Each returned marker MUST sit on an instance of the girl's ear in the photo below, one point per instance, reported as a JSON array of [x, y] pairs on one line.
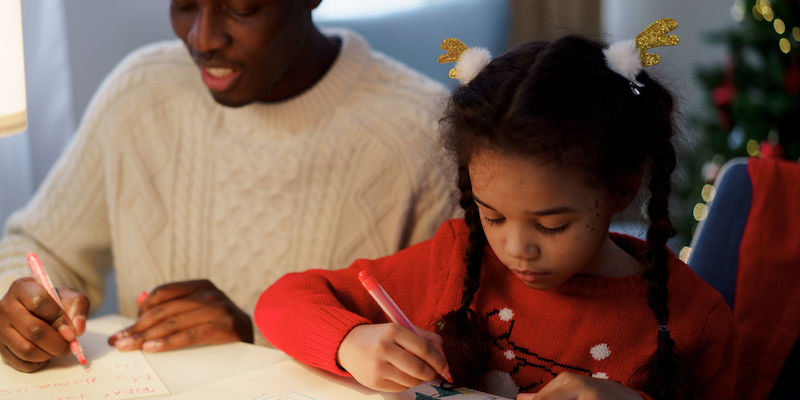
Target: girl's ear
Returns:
[[628, 188]]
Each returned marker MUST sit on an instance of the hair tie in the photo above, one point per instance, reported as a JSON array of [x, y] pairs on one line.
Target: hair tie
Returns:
[[629, 57], [469, 60], [663, 328]]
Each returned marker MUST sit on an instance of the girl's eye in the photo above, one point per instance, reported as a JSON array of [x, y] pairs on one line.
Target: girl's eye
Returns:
[[551, 231], [493, 221]]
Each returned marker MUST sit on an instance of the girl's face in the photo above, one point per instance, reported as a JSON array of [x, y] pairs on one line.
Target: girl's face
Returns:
[[542, 220]]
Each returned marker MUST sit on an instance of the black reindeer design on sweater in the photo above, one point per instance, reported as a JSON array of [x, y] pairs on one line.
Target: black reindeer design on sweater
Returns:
[[520, 357]]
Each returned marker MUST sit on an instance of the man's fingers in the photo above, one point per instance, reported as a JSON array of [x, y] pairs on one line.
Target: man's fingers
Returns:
[[172, 291], [181, 329], [21, 365], [126, 343], [204, 333], [35, 340], [77, 306], [166, 317], [41, 305], [23, 348], [38, 302], [182, 321]]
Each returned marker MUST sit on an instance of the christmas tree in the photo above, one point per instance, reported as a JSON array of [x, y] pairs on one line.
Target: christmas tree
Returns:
[[753, 100]]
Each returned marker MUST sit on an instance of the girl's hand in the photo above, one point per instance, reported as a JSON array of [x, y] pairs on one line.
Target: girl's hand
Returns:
[[569, 386], [390, 358]]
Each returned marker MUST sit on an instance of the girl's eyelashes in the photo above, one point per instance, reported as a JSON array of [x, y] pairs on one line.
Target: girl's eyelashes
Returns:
[[551, 231], [539, 227], [493, 221]]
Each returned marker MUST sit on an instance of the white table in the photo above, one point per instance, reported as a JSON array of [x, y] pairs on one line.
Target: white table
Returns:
[[186, 369], [214, 369]]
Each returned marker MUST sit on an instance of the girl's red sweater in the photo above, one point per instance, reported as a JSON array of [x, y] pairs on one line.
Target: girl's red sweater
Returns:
[[595, 326]]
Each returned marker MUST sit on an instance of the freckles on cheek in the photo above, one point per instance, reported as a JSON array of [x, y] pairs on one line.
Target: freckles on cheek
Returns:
[[591, 224]]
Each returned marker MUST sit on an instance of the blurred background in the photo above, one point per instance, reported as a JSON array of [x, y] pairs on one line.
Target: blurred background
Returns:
[[735, 73]]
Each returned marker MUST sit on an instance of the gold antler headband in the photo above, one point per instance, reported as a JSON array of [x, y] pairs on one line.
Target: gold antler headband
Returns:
[[629, 57], [655, 36], [469, 61]]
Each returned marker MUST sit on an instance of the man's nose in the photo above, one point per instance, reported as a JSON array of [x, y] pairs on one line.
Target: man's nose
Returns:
[[208, 34]]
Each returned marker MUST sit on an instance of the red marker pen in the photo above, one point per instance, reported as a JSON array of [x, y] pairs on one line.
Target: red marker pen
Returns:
[[392, 310], [41, 275]]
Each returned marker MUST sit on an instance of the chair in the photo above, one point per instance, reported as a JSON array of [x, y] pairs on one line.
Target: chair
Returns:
[[748, 248]]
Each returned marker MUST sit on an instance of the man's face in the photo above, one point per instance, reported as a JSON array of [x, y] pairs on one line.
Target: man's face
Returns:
[[244, 48]]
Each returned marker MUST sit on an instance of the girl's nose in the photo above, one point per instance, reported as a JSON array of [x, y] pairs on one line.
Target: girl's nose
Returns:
[[519, 246]]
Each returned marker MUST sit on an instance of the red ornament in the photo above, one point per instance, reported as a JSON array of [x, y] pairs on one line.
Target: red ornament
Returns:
[[791, 77], [724, 118], [723, 94], [770, 150]]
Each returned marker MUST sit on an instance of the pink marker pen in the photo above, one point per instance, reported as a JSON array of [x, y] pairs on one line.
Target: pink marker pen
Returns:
[[41, 275], [391, 309]]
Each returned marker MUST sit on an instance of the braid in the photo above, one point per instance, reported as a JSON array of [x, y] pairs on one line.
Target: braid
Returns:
[[667, 376], [465, 339], [477, 239]]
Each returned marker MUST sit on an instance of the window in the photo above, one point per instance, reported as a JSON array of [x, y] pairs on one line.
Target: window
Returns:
[[338, 9]]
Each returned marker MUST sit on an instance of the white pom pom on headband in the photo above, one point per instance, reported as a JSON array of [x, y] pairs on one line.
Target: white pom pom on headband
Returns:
[[469, 61], [629, 57], [626, 57]]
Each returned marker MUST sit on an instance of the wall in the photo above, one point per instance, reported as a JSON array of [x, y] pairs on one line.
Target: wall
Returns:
[[102, 32]]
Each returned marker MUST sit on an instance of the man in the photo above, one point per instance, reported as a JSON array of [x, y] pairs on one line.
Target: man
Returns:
[[311, 151]]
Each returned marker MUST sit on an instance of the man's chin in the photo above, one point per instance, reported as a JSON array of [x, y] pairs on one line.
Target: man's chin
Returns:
[[229, 101]]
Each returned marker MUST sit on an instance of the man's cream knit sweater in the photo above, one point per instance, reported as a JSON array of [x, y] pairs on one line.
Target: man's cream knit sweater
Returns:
[[163, 184]]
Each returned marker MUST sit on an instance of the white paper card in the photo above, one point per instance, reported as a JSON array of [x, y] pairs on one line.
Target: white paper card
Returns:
[[109, 375], [290, 380]]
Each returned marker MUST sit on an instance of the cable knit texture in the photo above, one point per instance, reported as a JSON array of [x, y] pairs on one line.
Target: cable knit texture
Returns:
[[164, 184], [601, 327]]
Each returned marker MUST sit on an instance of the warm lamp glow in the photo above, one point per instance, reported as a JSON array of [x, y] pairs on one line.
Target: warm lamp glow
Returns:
[[13, 116]]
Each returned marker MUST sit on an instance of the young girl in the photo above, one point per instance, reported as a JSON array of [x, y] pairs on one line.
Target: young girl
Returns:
[[530, 292]]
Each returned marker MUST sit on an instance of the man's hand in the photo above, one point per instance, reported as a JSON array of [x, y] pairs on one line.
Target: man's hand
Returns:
[[34, 329], [181, 314], [390, 358]]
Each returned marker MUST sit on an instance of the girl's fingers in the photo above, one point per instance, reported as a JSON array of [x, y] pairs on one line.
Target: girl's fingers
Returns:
[[427, 361], [394, 378], [391, 386], [436, 341]]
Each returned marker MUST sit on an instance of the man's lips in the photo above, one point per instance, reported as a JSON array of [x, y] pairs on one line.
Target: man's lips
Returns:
[[219, 78]]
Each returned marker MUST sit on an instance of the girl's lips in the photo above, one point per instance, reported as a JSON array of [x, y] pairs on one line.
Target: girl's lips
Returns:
[[527, 276], [219, 78]]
